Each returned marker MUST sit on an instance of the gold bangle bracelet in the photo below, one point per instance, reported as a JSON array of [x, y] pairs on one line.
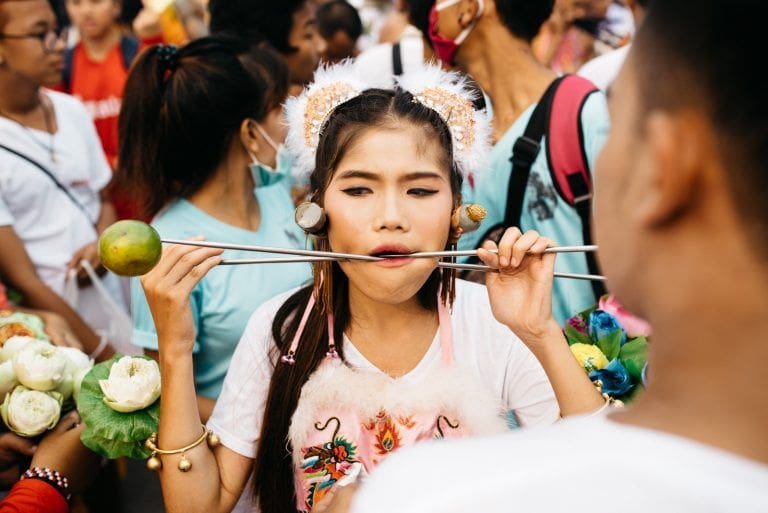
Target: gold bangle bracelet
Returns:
[[154, 463]]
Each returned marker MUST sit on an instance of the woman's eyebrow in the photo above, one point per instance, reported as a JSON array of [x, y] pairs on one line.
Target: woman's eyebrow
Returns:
[[355, 173], [420, 175]]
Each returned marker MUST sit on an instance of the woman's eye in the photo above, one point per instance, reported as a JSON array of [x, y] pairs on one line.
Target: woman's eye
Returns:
[[421, 192], [356, 191]]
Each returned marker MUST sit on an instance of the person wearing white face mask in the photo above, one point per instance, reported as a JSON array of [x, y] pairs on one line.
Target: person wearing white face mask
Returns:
[[214, 170]]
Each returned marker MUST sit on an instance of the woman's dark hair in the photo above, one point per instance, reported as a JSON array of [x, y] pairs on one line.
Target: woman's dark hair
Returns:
[[182, 108], [375, 108]]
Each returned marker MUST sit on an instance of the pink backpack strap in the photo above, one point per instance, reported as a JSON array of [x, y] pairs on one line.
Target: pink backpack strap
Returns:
[[565, 139]]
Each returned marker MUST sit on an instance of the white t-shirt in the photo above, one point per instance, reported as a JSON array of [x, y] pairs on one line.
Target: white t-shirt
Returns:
[[377, 60], [482, 346], [46, 220], [584, 465], [51, 226], [603, 70]]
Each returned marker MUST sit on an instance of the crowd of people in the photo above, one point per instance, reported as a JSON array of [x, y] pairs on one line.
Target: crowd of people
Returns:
[[373, 128]]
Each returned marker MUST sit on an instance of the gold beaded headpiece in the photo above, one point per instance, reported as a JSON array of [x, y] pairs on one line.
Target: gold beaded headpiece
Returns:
[[447, 93]]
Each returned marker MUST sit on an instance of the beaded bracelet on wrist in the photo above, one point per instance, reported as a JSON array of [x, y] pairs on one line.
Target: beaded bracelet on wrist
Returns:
[[52, 477]]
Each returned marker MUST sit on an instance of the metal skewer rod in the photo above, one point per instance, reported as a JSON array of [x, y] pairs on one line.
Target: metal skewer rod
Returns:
[[300, 259], [268, 249], [447, 265], [473, 252], [485, 268], [351, 256]]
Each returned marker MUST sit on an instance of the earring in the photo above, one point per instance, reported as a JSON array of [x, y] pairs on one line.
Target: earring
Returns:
[[467, 218], [310, 217]]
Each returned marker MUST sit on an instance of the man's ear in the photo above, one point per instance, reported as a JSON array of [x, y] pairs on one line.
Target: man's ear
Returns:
[[679, 150], [248, 136]]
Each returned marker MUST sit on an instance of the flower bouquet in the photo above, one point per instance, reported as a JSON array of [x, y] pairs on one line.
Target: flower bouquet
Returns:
[[37, 379], [119, 404], [611, 345]]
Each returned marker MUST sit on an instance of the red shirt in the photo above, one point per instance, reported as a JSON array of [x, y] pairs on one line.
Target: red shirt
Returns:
[[4, 305], [33, 496], [99, 85]]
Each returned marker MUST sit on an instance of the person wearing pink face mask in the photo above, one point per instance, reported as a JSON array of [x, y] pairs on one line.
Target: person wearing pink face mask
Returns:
[[491, 41]]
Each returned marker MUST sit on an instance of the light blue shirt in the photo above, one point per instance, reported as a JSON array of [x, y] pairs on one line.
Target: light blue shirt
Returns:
[[544, 210], [226, 297]]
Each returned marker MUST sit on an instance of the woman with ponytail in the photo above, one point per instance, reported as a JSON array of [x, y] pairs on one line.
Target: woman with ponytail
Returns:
[[329, 379], [196, 125]]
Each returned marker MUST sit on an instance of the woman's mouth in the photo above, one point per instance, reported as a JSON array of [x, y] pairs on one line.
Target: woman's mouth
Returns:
[[391, 255]]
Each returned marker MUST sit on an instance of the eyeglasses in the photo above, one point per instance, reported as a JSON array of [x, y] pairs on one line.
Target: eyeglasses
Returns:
[[48, 38]]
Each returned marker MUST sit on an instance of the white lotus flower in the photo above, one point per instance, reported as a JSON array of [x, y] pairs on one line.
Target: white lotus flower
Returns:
[[8, 379], [133, 384], [31, 412], [77, 362], [40, 366], [77, 381], [13, 345]]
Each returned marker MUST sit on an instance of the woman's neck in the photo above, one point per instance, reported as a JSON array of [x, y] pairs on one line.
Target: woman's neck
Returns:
[[228, 195], [494, 49], [99, 47], [394, 337]]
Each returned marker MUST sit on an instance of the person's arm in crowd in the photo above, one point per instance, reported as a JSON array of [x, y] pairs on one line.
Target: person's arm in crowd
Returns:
[[90, 251], [59, 450], [56, 327], [204, 404], [18, 271], [219, 474], [521, 298], [13, 449]]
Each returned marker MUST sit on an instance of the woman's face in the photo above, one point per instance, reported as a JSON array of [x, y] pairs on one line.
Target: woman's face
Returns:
[[390, 193]]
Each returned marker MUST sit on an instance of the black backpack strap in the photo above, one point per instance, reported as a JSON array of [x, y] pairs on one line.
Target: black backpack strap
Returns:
[[53, 178], [397, 59], [583, 207], [129, 49], [66, 74], [524, 153]]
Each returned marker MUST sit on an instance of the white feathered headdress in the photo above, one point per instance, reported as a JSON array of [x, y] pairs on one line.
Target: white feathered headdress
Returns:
[[447, 93]]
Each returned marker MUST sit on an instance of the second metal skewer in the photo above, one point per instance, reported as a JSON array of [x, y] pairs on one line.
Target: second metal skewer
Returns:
[[447, 265], [352, 256]]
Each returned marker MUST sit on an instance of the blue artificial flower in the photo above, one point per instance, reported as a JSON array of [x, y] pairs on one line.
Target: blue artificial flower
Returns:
[[602, 324], [616, 380]]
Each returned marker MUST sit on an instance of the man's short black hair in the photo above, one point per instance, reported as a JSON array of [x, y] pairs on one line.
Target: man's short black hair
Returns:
[[256, 20], [704, 56], [524, 18], [339, 15]]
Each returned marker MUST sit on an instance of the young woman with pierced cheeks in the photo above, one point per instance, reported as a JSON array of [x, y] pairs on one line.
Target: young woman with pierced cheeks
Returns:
[[329, 379]]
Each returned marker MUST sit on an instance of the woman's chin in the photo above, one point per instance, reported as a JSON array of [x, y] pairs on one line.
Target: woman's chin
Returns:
[[391, 285]]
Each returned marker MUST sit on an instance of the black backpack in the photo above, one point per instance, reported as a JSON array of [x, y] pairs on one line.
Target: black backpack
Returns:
[[566, 159]]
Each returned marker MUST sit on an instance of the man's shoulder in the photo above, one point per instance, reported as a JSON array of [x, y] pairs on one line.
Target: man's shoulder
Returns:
[[567, 467]]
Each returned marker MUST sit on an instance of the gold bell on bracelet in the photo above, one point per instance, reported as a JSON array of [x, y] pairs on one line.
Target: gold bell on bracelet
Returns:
[[153, 463], [184, 464]]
